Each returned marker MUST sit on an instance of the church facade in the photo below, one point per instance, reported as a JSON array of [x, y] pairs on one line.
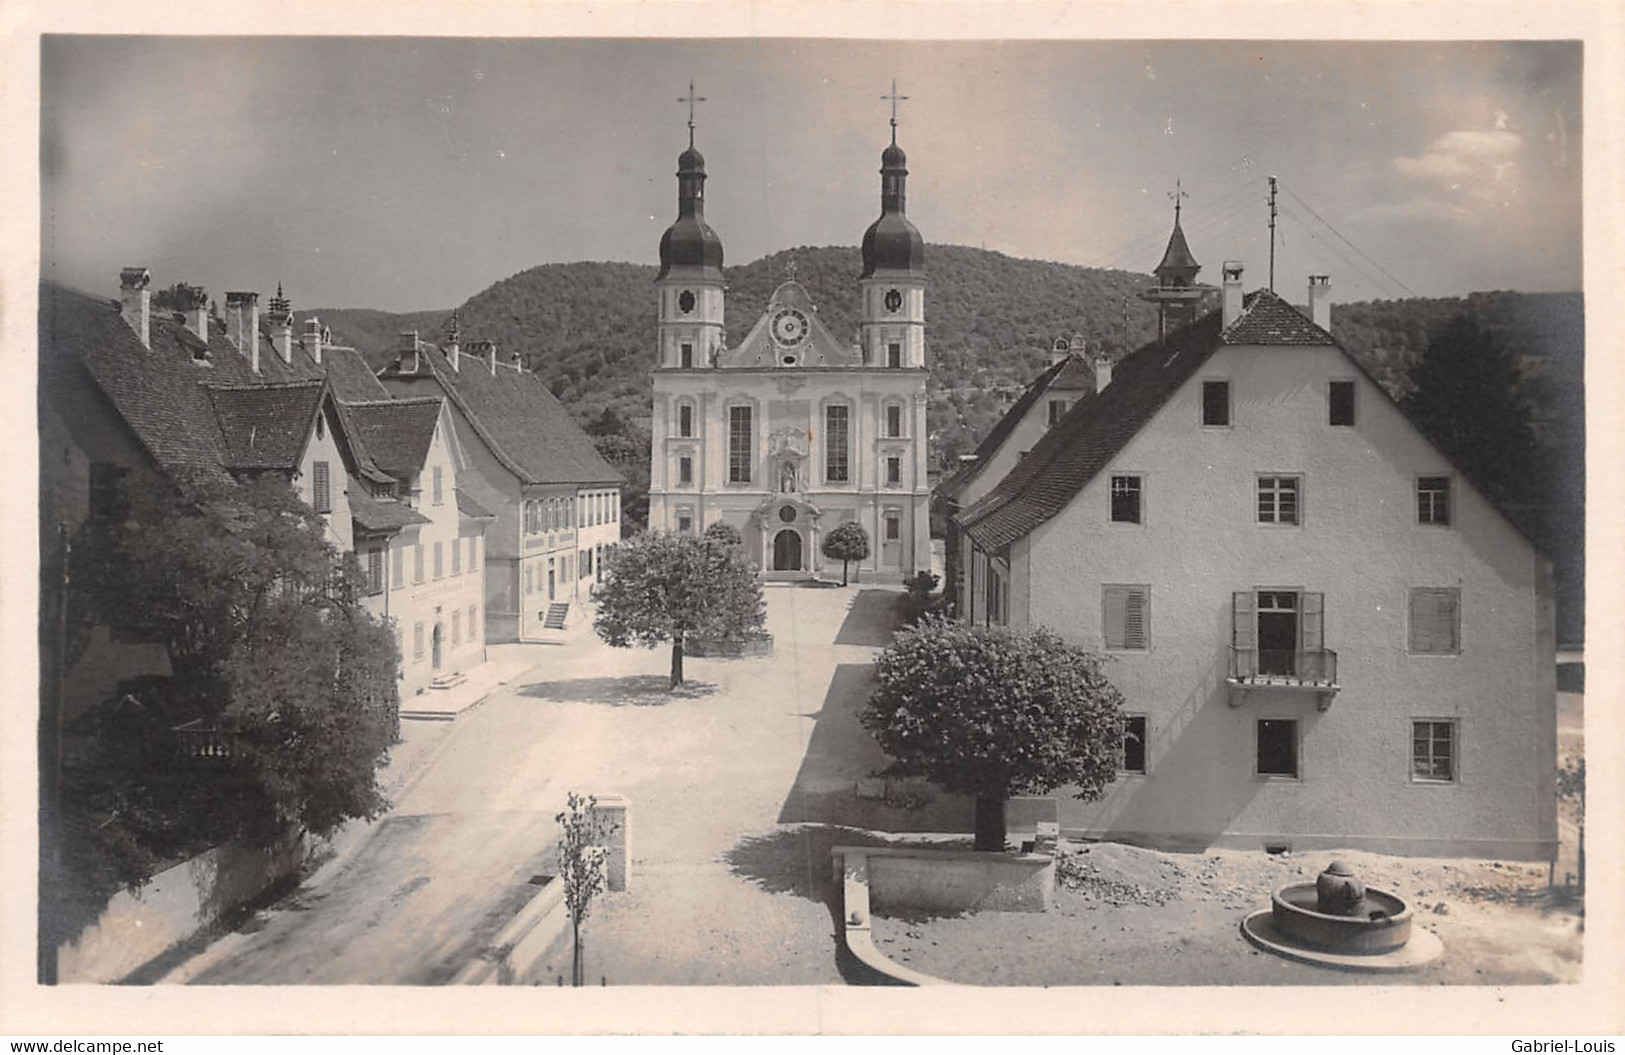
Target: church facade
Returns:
[[793, 432]]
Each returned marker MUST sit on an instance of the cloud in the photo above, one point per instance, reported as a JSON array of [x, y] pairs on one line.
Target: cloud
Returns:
[[1479, 165]]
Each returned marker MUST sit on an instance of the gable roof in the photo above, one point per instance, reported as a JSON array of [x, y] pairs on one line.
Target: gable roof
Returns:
[[352, 379], [523, 424], [397, 432], [265, 426], [382, 515], [819, 348], [470, 508], [1071, 373]]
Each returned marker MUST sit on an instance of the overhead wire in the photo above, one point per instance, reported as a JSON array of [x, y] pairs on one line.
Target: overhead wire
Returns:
[[1385, 285], [1346, 241], [1239, 194]]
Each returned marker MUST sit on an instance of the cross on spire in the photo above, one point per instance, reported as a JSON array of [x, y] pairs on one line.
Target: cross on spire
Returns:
[[895, 99], [1177, 194], [691, 99]]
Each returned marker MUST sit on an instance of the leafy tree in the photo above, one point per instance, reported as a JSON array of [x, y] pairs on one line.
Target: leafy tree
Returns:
[[269, 642], [1571, 787], [1466, 397], [995, 712], [660, 586], [725, 533], [846, 543], [179, 297], [582, 856]]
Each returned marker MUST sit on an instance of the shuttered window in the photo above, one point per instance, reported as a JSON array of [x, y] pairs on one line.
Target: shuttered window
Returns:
[[397, 565], [457, 628], [1127, 617], [457, 557], [1435, 620], [321, 488], [417, 641], [375, 571], [439, 561], [417, 562]]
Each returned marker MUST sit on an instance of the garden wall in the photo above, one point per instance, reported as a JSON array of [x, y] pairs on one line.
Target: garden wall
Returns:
[[953, 881], [138, 926]]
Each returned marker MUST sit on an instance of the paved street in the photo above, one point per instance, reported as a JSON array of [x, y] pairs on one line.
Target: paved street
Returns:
[[738, 784]]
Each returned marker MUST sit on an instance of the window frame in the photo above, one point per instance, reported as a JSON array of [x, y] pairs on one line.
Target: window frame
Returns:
[[894, 355], [321, 486], [1277, 491], [1106, 622], [1296, 776], [1229, 404], [1057, 411], [890, 462], [891, 429], [1353, 389], [375, 571], [685, 470], [1454, 592], [685, 355], [685, 419], [837, 453], [1139, 499], [1454, 757], [1448, 491]]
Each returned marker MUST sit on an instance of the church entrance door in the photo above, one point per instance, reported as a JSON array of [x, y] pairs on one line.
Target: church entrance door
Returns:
[[787, 551]]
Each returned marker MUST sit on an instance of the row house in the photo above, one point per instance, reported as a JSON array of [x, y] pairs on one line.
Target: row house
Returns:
[[553, 501], [1325, 634]]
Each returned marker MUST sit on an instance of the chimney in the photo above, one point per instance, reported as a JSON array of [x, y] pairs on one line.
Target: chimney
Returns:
[[518, 362], [281, 318], [243, 325], [454, 344], [313, 339], [1320, 301], [1232, 293], [135, 302], [197, 313], [406, 354], [1060, 351], [485, 352], [1103, 370]]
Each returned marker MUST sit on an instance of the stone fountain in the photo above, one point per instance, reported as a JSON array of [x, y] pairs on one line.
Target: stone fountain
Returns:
[[1336, 921]]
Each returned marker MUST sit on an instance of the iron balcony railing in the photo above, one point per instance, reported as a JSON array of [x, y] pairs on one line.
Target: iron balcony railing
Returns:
[[1307, 667]]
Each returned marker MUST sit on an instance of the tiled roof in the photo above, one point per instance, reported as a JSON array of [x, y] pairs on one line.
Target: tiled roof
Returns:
[[1270, 320], [1085, 441], [397, 432], [265, 426], [1177, 257], [1070, 374], [352, 379], [470, 508], [382, 514], [153, 389], [525, 426]]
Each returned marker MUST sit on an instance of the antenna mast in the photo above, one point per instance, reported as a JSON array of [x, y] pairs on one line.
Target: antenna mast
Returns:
[[1272, 234]]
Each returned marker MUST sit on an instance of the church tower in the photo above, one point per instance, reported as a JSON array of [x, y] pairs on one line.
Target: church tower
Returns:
[[1177, 294], [893, 279], [690, 280]]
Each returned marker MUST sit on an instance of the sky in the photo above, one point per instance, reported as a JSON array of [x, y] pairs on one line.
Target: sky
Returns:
[[411, 173]]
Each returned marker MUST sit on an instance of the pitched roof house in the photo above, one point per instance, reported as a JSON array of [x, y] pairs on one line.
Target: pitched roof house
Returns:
[[1325, 634], [555, 501]]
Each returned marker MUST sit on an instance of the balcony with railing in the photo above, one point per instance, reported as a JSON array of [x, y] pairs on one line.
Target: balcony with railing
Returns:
[[1290, 670]]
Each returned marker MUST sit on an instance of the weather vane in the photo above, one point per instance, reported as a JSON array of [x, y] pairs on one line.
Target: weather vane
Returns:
[[1176, 195]]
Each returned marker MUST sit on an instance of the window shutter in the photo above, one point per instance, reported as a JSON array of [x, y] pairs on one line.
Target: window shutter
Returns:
[[1135, 603], [1445, 628], [321, 488], [1116, 616], [1243, 628], [1313, 619]]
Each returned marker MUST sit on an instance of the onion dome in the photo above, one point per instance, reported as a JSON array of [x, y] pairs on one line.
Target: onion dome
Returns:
[[892, 243], [690, 242]]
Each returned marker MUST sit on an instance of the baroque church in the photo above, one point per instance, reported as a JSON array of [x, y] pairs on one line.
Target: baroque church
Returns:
[[793, 432]]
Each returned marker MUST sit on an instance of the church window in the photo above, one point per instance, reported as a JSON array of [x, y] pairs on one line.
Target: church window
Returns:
[[837, 457], [685, 421], [894, 354], [739, 445], [894, 471], [685, 301], [685, 470], [686, 355], [1125, 500], [894, 420], [1126, 617]]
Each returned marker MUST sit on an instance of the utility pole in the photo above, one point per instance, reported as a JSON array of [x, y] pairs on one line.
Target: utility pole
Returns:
[[1272, 234]]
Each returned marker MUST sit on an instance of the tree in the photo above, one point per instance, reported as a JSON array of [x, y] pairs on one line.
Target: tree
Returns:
[[179, 297], [995, 712], [1571, 787], [1467, 399], [582, 854], [725, 533], [269, 642], [847, 542], [661, 586]]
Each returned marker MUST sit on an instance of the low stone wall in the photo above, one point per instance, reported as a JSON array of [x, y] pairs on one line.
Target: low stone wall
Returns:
[[954, 880], [534, 937], [138, 926], [724, 648]]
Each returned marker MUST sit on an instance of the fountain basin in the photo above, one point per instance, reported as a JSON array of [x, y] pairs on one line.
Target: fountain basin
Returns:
[[1381, 923]]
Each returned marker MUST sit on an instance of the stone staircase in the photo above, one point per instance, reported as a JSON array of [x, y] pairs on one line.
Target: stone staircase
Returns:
[[448, 681], [557, 617]]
